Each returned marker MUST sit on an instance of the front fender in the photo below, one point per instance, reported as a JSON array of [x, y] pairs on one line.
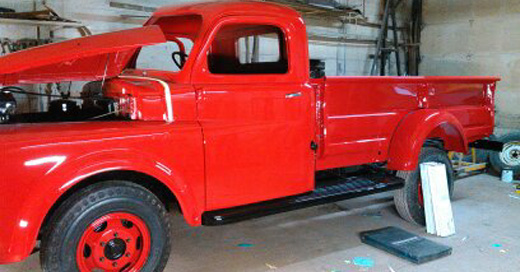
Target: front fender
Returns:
[[413, 131], [169, 173], [179, 166]]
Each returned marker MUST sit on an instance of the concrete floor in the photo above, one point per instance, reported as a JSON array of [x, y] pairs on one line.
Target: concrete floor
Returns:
[[325, 238]]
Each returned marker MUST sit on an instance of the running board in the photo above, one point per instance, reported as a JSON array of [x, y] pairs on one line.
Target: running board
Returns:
[[331, 189]]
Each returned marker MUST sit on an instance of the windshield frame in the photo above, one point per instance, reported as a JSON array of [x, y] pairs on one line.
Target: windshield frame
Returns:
[[175, 27]]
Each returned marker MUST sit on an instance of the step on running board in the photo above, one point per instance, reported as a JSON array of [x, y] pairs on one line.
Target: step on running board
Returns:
[[331, 188]]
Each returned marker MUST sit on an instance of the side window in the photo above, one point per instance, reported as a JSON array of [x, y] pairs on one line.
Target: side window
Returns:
[[248, 49]]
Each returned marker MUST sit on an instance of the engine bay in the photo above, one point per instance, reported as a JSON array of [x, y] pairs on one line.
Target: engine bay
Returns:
[[91, 104]]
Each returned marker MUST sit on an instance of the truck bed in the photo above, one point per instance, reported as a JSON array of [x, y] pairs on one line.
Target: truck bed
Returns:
[[359, 115]]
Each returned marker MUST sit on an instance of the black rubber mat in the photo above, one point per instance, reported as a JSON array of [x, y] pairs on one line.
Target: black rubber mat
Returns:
[[405, 245]]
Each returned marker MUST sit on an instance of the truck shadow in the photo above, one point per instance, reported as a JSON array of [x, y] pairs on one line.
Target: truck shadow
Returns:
[[280, 240]]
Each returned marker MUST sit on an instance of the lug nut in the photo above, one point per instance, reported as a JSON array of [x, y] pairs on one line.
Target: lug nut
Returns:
[[127, 255], [128, 240], [114, 264], [101, 259], [103, 244], [116, 234]]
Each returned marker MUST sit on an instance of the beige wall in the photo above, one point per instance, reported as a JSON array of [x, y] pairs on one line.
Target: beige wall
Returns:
[[476, 37]]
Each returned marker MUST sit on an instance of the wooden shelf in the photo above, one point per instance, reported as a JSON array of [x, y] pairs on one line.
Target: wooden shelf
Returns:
[[320, 16], [320, 39], [39, 22]]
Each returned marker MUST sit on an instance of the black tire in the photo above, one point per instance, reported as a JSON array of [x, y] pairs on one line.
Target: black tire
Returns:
[[71, 220], [496, 158], [407, 199]]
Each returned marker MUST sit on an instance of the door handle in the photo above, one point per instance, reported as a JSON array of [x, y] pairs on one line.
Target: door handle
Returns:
[[293, 95]]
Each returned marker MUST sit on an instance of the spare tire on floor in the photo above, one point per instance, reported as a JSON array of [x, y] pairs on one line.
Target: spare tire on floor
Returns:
[[509, 158]]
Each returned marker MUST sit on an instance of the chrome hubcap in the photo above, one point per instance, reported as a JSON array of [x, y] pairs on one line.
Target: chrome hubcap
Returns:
[[510, 154]]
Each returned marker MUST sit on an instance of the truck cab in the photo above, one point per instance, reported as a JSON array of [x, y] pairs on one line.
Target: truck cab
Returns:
[[256, 107]]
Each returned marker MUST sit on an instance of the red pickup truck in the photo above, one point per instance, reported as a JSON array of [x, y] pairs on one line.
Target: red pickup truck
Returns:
[[236, 129]]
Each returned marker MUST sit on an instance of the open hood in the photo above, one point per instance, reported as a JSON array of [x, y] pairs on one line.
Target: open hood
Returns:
[[83, 59]]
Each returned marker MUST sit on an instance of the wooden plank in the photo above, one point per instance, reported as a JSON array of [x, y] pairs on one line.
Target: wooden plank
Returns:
[[437, 203], [127, 6], [38, 22], [427, 200]]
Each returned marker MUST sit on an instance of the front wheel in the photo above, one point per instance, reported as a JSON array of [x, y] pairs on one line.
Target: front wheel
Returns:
[[409, 200], [109, 226]]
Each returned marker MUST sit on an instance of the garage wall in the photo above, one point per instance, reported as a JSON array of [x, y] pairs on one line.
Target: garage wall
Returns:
[[478, 37], [16, 32], [354, 59]]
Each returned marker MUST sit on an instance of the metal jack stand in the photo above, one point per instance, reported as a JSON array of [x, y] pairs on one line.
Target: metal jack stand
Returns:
[[382, 51]]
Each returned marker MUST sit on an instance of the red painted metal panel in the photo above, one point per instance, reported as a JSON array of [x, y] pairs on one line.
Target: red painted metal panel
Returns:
[[361, 115], [360, 118], [257, 142], [87, 58], [420, 125]]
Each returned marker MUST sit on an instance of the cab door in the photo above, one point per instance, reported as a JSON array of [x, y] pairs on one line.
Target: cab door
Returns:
[[256, 115]]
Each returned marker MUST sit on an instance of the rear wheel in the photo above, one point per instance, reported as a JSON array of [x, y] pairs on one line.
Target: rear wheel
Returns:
[[110, 226], [509, 158], [409, 200]]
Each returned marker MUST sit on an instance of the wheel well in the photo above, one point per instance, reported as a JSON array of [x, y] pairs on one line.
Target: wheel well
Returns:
[[154, 185], [448, 136], [434, 142]]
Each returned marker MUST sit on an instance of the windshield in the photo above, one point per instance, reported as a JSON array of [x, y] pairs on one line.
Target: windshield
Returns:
[[181, 33], [170, 56]]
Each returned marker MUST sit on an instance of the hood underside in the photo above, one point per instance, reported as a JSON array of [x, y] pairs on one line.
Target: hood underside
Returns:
[[83, 59]]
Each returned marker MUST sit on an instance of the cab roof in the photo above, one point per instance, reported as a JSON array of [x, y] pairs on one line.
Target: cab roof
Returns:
[[210, 10]]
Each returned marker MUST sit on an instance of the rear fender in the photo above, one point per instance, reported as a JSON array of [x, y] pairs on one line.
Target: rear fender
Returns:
[[416, 128]]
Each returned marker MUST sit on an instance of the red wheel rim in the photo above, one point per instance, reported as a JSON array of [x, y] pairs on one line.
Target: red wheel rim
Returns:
[[420, 193], [114, 242]]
